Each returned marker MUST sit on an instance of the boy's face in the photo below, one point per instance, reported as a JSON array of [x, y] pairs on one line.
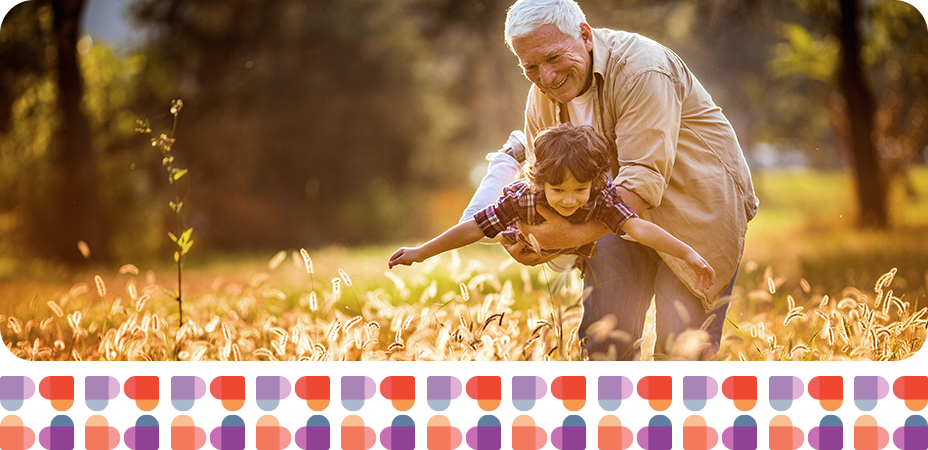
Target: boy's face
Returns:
[[567, 198]]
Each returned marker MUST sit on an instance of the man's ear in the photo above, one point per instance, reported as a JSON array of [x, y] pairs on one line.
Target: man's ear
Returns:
[[586, 33]]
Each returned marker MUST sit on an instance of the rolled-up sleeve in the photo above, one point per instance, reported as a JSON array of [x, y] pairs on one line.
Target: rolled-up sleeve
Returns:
[[646, 134]]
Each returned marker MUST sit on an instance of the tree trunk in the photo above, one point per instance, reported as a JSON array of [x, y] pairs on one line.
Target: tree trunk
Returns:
[[80, 217], [871, 182]]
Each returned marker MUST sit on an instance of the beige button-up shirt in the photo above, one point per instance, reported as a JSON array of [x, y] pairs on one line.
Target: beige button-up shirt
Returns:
[[674, 148]]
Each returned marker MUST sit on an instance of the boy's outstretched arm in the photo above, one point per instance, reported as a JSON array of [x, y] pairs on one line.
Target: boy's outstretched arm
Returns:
[[457, 236], [659, 239]]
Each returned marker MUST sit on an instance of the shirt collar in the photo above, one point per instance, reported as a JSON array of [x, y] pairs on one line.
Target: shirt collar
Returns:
[[600, 55]]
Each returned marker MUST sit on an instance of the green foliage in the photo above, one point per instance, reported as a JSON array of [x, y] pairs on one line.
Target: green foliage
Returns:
[[899, 40], [31, 171], [806, 54], [112, 85]]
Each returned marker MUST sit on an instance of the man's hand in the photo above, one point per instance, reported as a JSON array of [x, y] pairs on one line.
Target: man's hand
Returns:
[[557, 232], [525, 255]]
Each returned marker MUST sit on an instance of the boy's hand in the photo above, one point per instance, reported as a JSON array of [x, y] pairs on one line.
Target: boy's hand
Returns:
[[405, 256], [702, 269]]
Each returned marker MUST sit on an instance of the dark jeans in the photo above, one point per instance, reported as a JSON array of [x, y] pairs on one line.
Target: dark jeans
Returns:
[[624, 276]]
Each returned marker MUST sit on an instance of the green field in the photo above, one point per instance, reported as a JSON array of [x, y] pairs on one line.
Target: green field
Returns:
[[477, 304]]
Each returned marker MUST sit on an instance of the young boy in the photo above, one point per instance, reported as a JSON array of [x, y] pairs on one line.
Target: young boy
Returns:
[[569, 175]]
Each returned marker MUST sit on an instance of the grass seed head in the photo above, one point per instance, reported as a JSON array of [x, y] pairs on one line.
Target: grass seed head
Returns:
[[407, 322], [885, 280], [277, 259], [84, 249], [534, 243], [54, 307], [352, 322], [345, 278], [307, 261], [140, 304], [313, 301], [101, 288]]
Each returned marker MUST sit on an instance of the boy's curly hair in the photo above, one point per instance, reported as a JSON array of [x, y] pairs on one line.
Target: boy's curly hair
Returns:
[[580, 149]]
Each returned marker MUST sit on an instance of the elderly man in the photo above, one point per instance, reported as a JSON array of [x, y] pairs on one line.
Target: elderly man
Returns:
[[677, 162]]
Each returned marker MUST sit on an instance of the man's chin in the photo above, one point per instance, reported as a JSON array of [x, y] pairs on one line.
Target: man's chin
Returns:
[[559, 96]]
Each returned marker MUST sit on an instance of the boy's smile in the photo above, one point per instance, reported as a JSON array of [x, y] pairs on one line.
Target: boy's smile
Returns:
[[567, 198]]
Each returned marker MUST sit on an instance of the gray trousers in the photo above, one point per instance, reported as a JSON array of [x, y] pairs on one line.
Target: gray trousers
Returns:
[[624, 276]]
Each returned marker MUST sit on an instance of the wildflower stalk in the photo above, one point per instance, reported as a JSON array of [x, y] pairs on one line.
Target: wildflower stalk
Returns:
[[182, 240]]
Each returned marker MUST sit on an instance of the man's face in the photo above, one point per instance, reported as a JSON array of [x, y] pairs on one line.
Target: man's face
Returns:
[[560, 65]]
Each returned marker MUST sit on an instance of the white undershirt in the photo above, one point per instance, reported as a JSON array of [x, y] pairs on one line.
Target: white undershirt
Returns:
[[580, 109]]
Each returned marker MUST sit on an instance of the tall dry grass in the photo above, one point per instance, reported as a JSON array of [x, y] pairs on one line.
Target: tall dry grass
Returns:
[[324, 321], [872, 324], [457, 310]]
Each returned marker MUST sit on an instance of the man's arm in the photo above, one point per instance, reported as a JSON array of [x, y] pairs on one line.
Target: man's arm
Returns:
[[646, 137], [558, 232], [632, 199]]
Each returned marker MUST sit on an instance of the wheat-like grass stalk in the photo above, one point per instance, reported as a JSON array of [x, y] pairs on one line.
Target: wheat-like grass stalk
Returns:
[[481, 323]]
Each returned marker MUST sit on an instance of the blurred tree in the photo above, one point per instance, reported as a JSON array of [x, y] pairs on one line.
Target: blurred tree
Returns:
[[882, 134], [899, 46], [479, 78], [330, 121], [43, 86], [861, 107], [794, 99], [77, 198]]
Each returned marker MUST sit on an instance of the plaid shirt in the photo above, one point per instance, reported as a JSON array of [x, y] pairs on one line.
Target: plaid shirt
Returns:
[[518, 204]]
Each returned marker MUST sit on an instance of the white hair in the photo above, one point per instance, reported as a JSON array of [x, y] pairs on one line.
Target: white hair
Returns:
[[524, 16]]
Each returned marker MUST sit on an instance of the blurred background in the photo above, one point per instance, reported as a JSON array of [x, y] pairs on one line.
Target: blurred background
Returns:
[[314, 123]]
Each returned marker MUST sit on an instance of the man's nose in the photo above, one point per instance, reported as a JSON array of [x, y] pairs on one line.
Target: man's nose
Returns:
[[547, 74]]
